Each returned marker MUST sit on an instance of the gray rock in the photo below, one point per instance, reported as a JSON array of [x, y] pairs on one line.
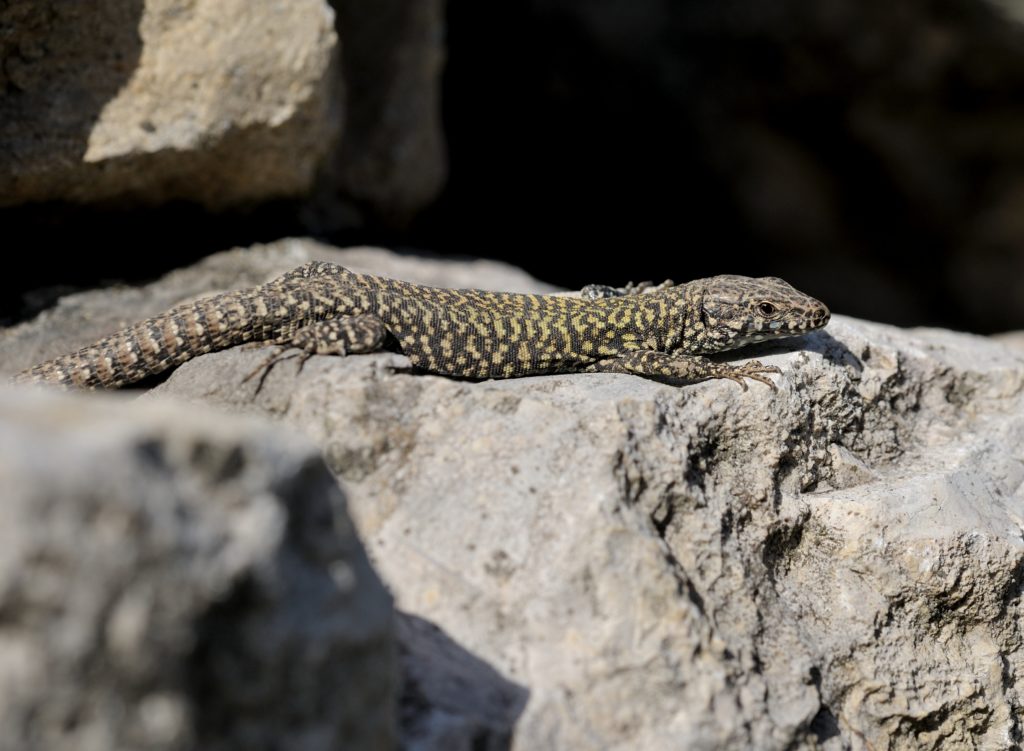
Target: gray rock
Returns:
[[175, 580], [1013, 339], [215, 101], [833, 565], [224, 103]]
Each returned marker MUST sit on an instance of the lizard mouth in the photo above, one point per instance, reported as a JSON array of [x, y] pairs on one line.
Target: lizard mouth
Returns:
[[812, 320]]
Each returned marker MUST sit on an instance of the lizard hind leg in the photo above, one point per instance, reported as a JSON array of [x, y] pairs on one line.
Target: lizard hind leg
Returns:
[[342, 336]]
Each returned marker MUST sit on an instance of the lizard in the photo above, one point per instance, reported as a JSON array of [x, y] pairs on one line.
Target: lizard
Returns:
[[663, 332]]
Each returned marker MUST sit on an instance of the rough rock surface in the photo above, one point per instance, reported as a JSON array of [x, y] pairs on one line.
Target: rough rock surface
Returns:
[[173, 580], [835, 565], [216, 101]]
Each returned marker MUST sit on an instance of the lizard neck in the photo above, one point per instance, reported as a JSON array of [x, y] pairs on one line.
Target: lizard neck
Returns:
[[654, 321], [668, 316]]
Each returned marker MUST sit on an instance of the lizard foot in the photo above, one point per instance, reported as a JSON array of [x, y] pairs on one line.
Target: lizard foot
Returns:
[[282, 354], [753, 370]]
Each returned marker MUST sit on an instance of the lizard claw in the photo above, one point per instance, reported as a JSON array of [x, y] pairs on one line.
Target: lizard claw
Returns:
[[755, 371], [264, 368], [738, 378]]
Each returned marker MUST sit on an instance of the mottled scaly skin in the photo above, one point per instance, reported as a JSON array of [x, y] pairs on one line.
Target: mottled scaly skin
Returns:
[[663, 332]]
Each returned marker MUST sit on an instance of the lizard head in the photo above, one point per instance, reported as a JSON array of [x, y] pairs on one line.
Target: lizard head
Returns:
[[737, 310]]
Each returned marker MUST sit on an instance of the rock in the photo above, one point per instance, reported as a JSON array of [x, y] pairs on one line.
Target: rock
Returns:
[[699, 567], [832, 565], [215, 101], [224, 104], [1013, 339], [171, 579]]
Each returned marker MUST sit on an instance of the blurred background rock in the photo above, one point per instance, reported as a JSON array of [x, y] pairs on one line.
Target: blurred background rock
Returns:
[[871, 153]]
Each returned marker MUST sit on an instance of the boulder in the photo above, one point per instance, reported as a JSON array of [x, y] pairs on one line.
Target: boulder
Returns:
[[172, 579], [224, 104], [219, 102], [833, 564]]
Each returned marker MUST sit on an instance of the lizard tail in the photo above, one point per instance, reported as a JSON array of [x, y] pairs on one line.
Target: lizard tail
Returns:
[[152, 346]]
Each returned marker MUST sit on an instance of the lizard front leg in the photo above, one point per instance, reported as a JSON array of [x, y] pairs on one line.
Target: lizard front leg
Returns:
[[344, 335], [685, 368]]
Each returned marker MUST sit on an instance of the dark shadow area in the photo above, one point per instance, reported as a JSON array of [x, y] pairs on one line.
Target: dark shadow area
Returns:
[[60, 65], [825, 725], [569, 160], [820, 342], [448, 690], [833, 350], [63, 247]]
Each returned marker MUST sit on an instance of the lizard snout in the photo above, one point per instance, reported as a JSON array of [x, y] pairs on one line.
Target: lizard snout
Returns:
[[818, 316]]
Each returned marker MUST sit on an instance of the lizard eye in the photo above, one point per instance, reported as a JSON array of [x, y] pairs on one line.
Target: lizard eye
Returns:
[[766, 309]]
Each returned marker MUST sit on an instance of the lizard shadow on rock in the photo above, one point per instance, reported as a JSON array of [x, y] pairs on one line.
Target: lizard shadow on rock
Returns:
[[822, 343], [832, 350]]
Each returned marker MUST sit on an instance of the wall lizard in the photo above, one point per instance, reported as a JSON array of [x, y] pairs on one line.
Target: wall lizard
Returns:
[[321, 308]]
